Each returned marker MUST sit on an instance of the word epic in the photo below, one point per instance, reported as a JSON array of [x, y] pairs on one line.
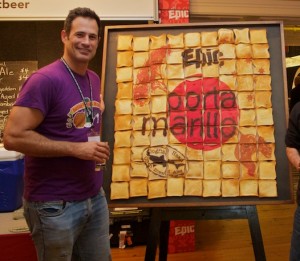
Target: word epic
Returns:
[[184, 230], [200, 57]]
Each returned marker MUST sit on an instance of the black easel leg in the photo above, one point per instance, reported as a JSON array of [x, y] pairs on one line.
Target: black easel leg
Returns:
[[255, 231], [154, 233], [164, 240]]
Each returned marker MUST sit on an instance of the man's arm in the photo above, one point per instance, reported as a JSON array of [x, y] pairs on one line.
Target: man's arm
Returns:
[[20, 135], [294, 157]]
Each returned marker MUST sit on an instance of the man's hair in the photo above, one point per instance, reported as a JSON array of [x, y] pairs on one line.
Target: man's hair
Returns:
[[80, 12]]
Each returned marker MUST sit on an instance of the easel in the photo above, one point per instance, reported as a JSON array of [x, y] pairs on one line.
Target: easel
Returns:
[[160, 221]]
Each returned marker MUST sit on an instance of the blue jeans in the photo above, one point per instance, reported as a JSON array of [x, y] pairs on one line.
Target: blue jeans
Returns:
[[70, 231], [295, 242]]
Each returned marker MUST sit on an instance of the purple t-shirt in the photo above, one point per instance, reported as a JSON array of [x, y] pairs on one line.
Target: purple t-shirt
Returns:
[[53, 91]]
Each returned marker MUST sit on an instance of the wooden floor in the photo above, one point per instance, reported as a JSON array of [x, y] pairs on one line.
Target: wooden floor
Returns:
[[230, 240], [219, 240]]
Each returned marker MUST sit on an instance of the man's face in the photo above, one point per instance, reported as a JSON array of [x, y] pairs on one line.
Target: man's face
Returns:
[[82, 42]]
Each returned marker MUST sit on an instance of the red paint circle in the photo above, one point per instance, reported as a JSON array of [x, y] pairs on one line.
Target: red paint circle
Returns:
[[203, 113]]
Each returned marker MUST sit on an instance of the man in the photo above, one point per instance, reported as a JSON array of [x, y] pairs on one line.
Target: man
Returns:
[[295, 92], [292, 141], [58, 108]]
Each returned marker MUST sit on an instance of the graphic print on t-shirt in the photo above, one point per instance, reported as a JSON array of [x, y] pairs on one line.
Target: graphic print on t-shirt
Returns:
[[78, 118]]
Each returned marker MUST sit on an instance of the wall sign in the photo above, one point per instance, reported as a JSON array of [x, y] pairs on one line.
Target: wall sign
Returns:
[[57, 10], [12, 75]]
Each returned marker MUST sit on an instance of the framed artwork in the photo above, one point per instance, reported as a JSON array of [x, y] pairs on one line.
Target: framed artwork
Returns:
[[195, 115]]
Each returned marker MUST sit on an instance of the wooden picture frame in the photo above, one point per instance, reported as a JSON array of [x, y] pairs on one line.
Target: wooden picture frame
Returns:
[[274, 38]]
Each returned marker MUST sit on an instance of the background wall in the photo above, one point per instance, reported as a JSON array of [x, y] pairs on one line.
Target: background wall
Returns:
[[40, 41], [30, 41]]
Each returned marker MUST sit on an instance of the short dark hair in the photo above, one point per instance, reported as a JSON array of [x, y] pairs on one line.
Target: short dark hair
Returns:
[[80, 12]]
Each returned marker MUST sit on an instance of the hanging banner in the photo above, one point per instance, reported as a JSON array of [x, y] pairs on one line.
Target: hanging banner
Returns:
[[57, 10], [171, 4], [172, 16], [173, 12]]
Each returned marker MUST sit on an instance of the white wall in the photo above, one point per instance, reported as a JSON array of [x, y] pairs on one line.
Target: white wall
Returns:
[[268, 8], [58, 9]]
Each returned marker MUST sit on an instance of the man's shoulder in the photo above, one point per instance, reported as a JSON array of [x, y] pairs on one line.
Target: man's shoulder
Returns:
[[51, 68], [48, 76], [93, 73], [53, 71], [296, 109]]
